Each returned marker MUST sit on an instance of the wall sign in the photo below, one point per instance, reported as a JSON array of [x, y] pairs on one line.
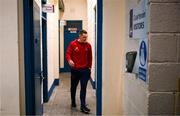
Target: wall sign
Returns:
[[143, 57], [48, 8], [72, 30], [138, 21]]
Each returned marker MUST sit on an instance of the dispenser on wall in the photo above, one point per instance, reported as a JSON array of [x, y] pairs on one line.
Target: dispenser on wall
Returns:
[[130, 60]]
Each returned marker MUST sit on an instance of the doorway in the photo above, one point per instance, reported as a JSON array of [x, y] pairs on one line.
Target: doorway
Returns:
[[33, 62], [71, 32]]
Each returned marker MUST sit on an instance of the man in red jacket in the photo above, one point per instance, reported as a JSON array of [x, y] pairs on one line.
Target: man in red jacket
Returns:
[[79, 58]]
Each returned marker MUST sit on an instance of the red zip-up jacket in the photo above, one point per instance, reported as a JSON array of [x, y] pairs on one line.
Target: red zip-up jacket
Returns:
[[80, 54]]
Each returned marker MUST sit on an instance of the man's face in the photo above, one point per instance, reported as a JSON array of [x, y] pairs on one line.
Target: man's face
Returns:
[[83, 37]]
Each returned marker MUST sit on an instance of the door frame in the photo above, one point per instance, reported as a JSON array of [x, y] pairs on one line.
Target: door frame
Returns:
[[99, 56], [64, 69], [28, 32], [44, 57]]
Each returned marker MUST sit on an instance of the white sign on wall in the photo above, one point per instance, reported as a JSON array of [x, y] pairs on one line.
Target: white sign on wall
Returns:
[[138, 21], [48, 8]]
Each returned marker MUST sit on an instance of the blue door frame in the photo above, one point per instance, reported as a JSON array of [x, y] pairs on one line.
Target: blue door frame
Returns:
[[33, 77], [28, 33], [44, 49], [99, 57]]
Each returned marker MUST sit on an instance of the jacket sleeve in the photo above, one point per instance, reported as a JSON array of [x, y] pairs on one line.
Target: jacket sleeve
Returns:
[[90, 57], [69, 52]]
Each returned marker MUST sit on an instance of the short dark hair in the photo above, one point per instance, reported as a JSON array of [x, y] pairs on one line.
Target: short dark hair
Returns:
[[82, 32]]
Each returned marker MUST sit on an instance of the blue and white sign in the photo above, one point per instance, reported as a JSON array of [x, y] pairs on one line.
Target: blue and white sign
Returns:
[[143, 57]]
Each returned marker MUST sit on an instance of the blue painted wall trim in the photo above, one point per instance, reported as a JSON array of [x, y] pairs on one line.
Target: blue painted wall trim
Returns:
[[99, 56], [63, 70], [55, 83]]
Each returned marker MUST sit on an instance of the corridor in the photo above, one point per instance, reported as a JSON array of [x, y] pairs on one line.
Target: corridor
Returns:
[[135, 56], [60, 102]]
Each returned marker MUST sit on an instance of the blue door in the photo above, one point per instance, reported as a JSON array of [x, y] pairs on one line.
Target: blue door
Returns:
[[71, 32], [37, 71]]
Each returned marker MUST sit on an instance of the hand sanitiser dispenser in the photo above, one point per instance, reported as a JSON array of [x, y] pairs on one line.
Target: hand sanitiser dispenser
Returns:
[[130, 60]]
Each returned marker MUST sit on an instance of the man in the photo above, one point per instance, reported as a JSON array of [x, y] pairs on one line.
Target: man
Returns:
[[79, 58]]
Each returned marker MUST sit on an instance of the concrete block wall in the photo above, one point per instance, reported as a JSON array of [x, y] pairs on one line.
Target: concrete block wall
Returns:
[[164, 57]]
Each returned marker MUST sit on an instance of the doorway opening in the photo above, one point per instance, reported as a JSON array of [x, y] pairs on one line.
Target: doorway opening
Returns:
[[36, 63]]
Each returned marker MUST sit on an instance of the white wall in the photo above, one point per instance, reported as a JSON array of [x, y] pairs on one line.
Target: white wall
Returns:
[[52, 44], [0, 84], [9, 64], [113, 43], [0, 75], [91, 4], [74, 10]]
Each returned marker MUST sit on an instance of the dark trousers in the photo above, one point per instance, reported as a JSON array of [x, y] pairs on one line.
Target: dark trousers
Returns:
[[83, 76]]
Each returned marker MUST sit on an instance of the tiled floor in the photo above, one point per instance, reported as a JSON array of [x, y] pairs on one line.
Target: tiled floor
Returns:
[[60, 102]]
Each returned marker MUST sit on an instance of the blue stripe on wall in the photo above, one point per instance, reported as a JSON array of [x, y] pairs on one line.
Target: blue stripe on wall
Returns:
[[56, 82], [63, 70]]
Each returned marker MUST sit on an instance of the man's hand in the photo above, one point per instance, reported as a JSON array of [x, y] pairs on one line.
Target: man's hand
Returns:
[[71, 63]]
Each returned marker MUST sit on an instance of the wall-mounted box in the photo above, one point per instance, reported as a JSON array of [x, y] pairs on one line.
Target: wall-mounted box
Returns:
[[130, 60]]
